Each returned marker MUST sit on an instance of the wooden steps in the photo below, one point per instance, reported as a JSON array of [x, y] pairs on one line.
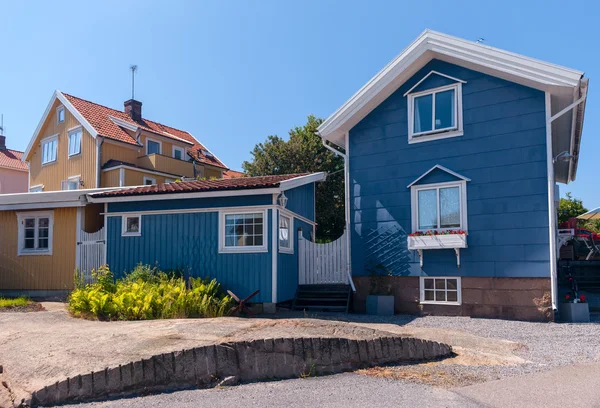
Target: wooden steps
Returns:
[[324, 298]]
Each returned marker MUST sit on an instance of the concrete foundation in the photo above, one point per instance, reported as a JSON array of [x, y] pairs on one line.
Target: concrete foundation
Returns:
[[497, 298]]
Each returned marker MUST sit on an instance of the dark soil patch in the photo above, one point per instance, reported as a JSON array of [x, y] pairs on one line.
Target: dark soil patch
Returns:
[[32, 307]]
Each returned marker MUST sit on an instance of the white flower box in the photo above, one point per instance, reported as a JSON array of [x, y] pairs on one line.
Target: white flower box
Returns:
[[449, 241]]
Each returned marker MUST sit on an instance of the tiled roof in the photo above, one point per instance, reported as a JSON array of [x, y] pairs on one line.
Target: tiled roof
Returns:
[[197, 186], [229, 174], [99, 117], [12, 159]]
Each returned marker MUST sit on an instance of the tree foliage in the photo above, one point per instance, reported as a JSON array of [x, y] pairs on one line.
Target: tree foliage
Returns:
[[303, 152], [570, 207]]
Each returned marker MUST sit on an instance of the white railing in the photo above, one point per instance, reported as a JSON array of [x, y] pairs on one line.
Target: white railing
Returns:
[[91, 252], [323, 263]]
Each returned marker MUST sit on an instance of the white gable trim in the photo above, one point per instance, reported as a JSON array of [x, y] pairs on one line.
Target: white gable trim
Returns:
[[428, 75], [58, 95], [429, 45], [437, 166], [124, 124]]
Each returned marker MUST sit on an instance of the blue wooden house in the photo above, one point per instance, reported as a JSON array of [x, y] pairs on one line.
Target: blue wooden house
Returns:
[[243, 232], [452, 153]]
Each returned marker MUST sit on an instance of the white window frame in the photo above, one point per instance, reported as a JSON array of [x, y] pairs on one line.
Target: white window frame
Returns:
[[60, 109], [124, 232], [38, 188], [243, 249], [45, 140], [21, 216], [180, 149], [73, 131], [436, 134], [160, 149], [414, 192], [72, 179], [283, 249], [436, 302], [148, 178]]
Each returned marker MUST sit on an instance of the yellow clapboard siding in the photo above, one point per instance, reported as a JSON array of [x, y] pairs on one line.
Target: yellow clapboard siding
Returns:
[[111, 178], [136, 178], [167, 164], [39, 272], [210, 172], [119, 151], [84, 164]]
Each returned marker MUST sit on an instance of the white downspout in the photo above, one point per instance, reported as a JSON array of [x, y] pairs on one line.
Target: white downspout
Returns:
[[551, 186], [346, 203]]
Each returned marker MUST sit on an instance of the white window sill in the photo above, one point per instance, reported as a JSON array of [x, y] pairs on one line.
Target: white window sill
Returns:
[[427, 137], [242, 250], [433, 302], [289, 251], [132, 234], [34, 252], [74, 155], [49, 163]]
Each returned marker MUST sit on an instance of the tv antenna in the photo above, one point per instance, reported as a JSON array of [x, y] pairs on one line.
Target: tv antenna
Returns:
[[480, 40], [2, 125], [133, 69]]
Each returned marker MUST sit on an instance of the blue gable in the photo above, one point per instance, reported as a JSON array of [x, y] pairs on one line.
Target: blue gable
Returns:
[[502, 151], [433, 81], [436, 175]]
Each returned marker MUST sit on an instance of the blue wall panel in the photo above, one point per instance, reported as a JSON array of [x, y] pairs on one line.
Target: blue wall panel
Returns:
[[188, 203], [301, 200], [502, 151], [190, 242], [287, 265]]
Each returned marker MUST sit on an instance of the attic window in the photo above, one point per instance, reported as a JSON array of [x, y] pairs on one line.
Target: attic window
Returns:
[[435, 113], [60, 114]]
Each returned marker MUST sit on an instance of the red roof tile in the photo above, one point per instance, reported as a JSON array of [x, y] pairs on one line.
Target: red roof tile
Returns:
[[229, 174], [197, 186], [12, 159], [99, 117]]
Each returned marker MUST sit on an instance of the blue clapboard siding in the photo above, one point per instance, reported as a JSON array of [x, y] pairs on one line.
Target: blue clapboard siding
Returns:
[[287, 265], [188, 241], [301, 200], [190, 203], [502, 151]]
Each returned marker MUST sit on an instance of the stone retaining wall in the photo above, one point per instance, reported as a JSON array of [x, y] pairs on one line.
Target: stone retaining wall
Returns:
[[247, 361]]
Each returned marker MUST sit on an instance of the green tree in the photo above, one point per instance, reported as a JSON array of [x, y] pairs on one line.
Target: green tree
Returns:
[[303, 152], [570, 207]]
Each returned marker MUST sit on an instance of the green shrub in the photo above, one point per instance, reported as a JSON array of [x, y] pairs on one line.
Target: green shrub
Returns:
[[14, 302], [148, 293]]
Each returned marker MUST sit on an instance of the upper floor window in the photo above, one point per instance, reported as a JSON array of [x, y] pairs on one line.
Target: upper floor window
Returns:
[[148, 181], [435, 113], [72, 183], [153, 146], [439, 206], [178, 152], [35, 233], [60, 114], [49, 149], [75, 142]]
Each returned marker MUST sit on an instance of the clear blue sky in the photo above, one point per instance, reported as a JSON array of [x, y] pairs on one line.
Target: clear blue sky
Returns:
[[234, 72]]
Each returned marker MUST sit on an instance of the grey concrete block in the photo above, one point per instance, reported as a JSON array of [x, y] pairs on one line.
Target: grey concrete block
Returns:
[[87, 385], [246, 359], [162, 371], [113, 380], [398, 348], [138, 373], [187, 360], [211, 361], [378, 347], [354, 354], [127, 376], [62, 390], [363, 353], [345, 359], [269, 358], [99, 381], [269, 308], [372, 353], [283, 358]]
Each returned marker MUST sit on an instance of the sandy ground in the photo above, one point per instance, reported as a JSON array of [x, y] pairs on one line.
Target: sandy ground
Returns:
[[40, 348]]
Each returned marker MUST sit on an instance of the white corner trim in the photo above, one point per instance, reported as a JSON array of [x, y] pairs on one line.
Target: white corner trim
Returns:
[[302, 180], [274, 253], [414, 204], [149, 139], [121, 177], [433, 302], [440, 167], [124, 232], [551, 205], [223, 249], [21, 216], [436, 73], [434, 134], [58, 95]]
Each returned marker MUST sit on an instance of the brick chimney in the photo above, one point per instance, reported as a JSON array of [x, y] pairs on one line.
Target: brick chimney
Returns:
[[2, 142], [134, 109]]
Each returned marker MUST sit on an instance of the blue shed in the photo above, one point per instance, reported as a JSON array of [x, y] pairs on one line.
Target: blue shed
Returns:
[[242, 231], [452, 153]]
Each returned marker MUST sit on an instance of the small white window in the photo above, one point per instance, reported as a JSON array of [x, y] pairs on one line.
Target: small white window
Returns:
[[441, 290], [74, 142], [435, 113], [439, 207], [35, 233], [178, 153], [148, 181], [49, 149], [243, 232], [72, 183], [153, 146], [60, 114], [36, 189], [131, 225], [286, 235]]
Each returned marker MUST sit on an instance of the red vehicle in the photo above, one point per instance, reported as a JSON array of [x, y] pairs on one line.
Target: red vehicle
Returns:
[[583, 233]]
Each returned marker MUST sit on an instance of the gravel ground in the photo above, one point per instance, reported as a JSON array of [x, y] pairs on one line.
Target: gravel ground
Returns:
[[544, 346]]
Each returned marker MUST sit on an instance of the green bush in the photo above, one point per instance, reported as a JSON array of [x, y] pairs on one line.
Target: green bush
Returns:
[[148, 293]]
